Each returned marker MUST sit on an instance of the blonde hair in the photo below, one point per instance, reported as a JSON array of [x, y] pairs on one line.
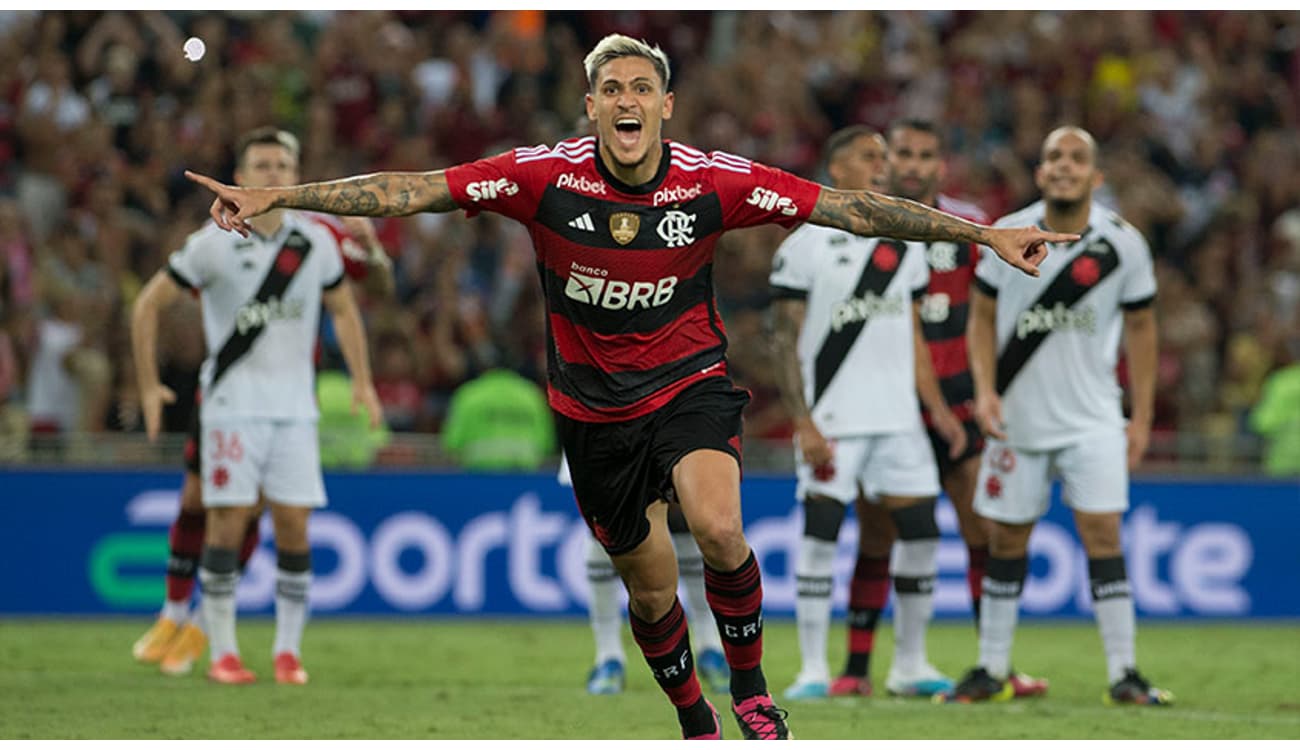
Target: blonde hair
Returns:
[[615, 46]]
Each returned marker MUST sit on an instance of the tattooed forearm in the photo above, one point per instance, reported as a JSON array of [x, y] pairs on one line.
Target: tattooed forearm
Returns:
[[382, 194], [788, 315], [875, 215]]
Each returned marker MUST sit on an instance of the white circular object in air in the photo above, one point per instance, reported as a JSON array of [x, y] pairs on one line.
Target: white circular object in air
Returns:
[[194, 49]]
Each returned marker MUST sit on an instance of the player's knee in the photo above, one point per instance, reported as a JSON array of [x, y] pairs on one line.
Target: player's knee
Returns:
[[720, 536], [650, 603], [1100, 534], [822, 517], [974, 528], [916, 522], [225, 527], [192, 494], [1009, 541]]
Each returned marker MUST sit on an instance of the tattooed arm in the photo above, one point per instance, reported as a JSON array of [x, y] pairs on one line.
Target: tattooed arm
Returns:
[[871, 214], [789, 315], [381, 194]]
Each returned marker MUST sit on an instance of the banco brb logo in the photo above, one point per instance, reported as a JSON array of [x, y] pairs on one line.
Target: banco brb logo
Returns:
[[614, 294]]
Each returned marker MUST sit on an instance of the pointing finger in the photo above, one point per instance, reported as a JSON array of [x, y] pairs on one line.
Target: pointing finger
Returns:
[[1059, 237], [204, 180]]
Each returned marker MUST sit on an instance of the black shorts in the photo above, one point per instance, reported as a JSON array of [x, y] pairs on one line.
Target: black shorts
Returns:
[[620, 468], [974, 447], [193, 444]]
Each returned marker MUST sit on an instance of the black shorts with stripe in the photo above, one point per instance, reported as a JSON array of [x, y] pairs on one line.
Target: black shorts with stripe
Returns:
[[974, 447], [620, 468]]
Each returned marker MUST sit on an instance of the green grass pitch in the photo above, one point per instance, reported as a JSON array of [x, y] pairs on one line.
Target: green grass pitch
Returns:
[[481, 679]]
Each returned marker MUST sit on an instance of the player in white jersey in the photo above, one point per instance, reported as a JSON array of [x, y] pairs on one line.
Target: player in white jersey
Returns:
[[609, 674], [1043, 355], [852, 361], [176, 641], [261, 299]]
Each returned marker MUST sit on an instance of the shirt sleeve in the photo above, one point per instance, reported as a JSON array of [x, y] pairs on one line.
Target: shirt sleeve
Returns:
[[331, 261], [498, 184], [353, 254], [1140, 279], [753, 193], [192, 266], [793, 266]]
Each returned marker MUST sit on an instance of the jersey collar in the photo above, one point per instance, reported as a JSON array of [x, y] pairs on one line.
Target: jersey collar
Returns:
[[1083, 235], [644, 188]]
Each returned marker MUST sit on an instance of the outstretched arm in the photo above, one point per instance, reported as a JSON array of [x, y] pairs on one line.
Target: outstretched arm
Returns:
[[380, 194], [871, 214]]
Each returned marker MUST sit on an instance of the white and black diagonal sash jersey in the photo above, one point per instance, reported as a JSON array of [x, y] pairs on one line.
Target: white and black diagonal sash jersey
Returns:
[[261, 300], [1058, 335], [856, 345]]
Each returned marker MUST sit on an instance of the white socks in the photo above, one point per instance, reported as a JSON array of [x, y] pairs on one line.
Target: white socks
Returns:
[[605, 611], [812, 606], [913, 566], [290, 610]]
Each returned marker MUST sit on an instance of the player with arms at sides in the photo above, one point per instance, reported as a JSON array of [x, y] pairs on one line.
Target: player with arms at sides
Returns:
[[608, 675], [851, 361], [624, 225], [176, 640], [916, 170], [1043, 357], [261, 297]]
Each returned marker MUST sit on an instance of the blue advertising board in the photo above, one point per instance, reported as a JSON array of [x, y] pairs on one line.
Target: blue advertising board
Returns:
[[90, 542]]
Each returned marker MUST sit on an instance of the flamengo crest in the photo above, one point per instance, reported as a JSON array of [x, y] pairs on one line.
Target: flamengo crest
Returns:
[[677, 228]]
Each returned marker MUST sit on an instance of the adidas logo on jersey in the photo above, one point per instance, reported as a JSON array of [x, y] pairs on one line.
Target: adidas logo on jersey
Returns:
[[866, 307], [584, 223], [1039, 319]]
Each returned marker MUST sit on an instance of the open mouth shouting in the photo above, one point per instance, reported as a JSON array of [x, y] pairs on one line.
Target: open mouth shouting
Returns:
[[627, 131]]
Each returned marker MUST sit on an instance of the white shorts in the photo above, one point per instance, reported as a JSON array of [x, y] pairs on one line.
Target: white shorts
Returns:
[[1015, 486], [900, 464], [281, 457]]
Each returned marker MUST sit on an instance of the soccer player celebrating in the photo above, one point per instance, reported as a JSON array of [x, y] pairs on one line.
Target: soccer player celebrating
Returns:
[[1043, 358], [261, 296], [624, 224], [848, 342]]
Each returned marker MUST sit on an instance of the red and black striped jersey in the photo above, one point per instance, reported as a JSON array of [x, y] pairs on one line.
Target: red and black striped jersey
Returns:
[[351, 251], [627, 270], [946, 306]]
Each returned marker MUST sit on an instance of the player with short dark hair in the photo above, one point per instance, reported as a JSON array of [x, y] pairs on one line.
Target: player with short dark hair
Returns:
[[847, 323], [916, 171], [1043, 357], [624, 224], [261, 296], [176, 639]]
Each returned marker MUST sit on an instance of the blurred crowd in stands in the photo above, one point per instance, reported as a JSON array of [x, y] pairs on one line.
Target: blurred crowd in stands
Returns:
[[1196, 114]]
